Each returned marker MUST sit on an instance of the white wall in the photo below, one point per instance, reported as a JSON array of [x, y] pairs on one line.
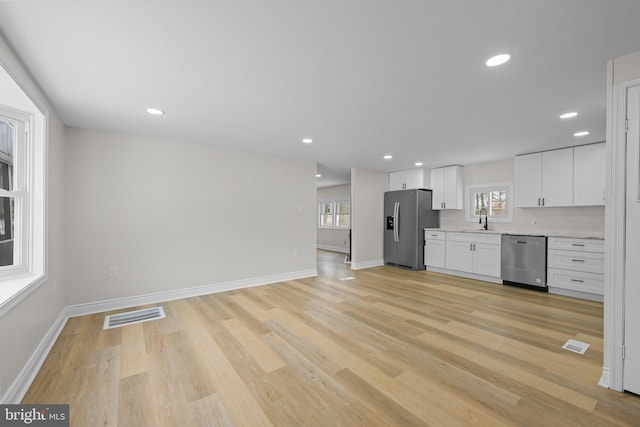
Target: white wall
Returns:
[[367, 217], [25, 325], [570, 220], [333, 239], [173, 215]]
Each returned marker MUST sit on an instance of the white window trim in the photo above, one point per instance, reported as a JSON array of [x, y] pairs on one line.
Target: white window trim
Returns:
[[320, 203], [334, 201], [16, 283], [22, 161], [469, 214]]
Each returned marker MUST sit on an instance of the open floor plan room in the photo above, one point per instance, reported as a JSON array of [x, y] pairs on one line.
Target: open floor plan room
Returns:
[[382, 346]]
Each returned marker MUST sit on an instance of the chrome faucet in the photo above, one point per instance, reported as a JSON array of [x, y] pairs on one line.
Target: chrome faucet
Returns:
[[486, 218]]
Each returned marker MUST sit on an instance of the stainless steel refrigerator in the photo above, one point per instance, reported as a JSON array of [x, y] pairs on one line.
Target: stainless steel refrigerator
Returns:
[[406, 214]]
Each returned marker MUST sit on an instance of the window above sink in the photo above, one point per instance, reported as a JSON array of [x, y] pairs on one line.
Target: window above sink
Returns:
[[496, 199]]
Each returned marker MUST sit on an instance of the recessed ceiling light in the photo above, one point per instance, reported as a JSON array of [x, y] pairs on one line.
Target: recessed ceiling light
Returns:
[[568, 115], [581, 133], [498, 60], [418, 163], [388, 157], [155, 111], [318, 175], [307, 140]]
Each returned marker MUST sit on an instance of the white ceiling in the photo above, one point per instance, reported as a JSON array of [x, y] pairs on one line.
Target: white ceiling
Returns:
[[363, 78]]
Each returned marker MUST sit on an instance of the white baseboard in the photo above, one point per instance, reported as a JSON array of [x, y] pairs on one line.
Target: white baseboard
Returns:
[[366, 264], [119, 303], [576, 294], [20, 386], [333, 248], [605, 379]]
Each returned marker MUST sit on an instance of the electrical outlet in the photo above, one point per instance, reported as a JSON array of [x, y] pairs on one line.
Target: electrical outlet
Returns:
[[295, 251], [113, 271]]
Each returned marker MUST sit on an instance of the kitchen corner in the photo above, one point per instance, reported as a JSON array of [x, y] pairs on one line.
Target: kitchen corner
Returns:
[[569, 264]]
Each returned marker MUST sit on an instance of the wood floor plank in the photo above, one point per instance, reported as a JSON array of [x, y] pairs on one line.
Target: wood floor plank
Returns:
[[264, 355], [235, 396], [134, 403], [133, 352], [392, 347], [531, 378]]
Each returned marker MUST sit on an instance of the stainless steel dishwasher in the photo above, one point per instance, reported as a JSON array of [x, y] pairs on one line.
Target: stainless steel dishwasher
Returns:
[[524, 261]]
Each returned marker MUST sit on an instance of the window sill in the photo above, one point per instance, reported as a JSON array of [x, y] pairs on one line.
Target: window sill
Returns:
[[14, 290]]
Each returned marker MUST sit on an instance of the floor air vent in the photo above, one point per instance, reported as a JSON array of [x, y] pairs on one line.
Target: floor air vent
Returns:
[[576, 346], [131, 317]]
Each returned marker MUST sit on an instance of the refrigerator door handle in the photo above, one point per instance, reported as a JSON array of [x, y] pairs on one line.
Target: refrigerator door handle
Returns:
[[396, 209]]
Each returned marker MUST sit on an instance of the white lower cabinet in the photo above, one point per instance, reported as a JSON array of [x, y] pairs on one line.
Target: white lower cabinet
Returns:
[[475, 253], [575, 267], [434, 248], [487, 259]]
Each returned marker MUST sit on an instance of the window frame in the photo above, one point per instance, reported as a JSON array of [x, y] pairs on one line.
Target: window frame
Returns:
[[334, 213], [471, 190], [22, 192], [18, 282]]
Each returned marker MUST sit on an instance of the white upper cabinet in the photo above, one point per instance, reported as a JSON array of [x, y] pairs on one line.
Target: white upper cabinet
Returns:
[[589, 175], [528, 180], [544, 179], [557, 177], [447, 184], [405, 180]]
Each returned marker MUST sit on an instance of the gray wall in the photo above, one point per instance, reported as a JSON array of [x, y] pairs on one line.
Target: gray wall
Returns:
[[333, 239], [173, 215], [24, 326]]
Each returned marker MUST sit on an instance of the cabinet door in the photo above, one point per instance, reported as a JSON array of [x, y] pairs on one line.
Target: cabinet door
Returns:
[[437, 185], [486, 259], [434, 252], [453, 184], [459, 256], [528, 180], [557, 177], [589, 175], [405, 180]]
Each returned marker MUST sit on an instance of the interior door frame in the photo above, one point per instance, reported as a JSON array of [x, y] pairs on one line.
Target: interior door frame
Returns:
[[615, 237]]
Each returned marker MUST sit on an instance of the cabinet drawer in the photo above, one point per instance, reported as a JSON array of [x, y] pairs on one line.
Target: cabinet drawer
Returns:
[[490, 239], [434, 235], [576, 281], [577, 261], [579, 245]]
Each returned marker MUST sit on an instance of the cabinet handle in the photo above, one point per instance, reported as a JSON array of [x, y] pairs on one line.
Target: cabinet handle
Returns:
[[538, 201], [577, 244], [543, 201], [577, 260], [434, 235], [577, 280]]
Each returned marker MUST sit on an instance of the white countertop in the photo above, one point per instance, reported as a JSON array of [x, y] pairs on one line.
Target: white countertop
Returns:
[[547, 233]]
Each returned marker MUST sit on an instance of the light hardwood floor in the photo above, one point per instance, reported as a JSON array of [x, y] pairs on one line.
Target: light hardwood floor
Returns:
[[389, 348]]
